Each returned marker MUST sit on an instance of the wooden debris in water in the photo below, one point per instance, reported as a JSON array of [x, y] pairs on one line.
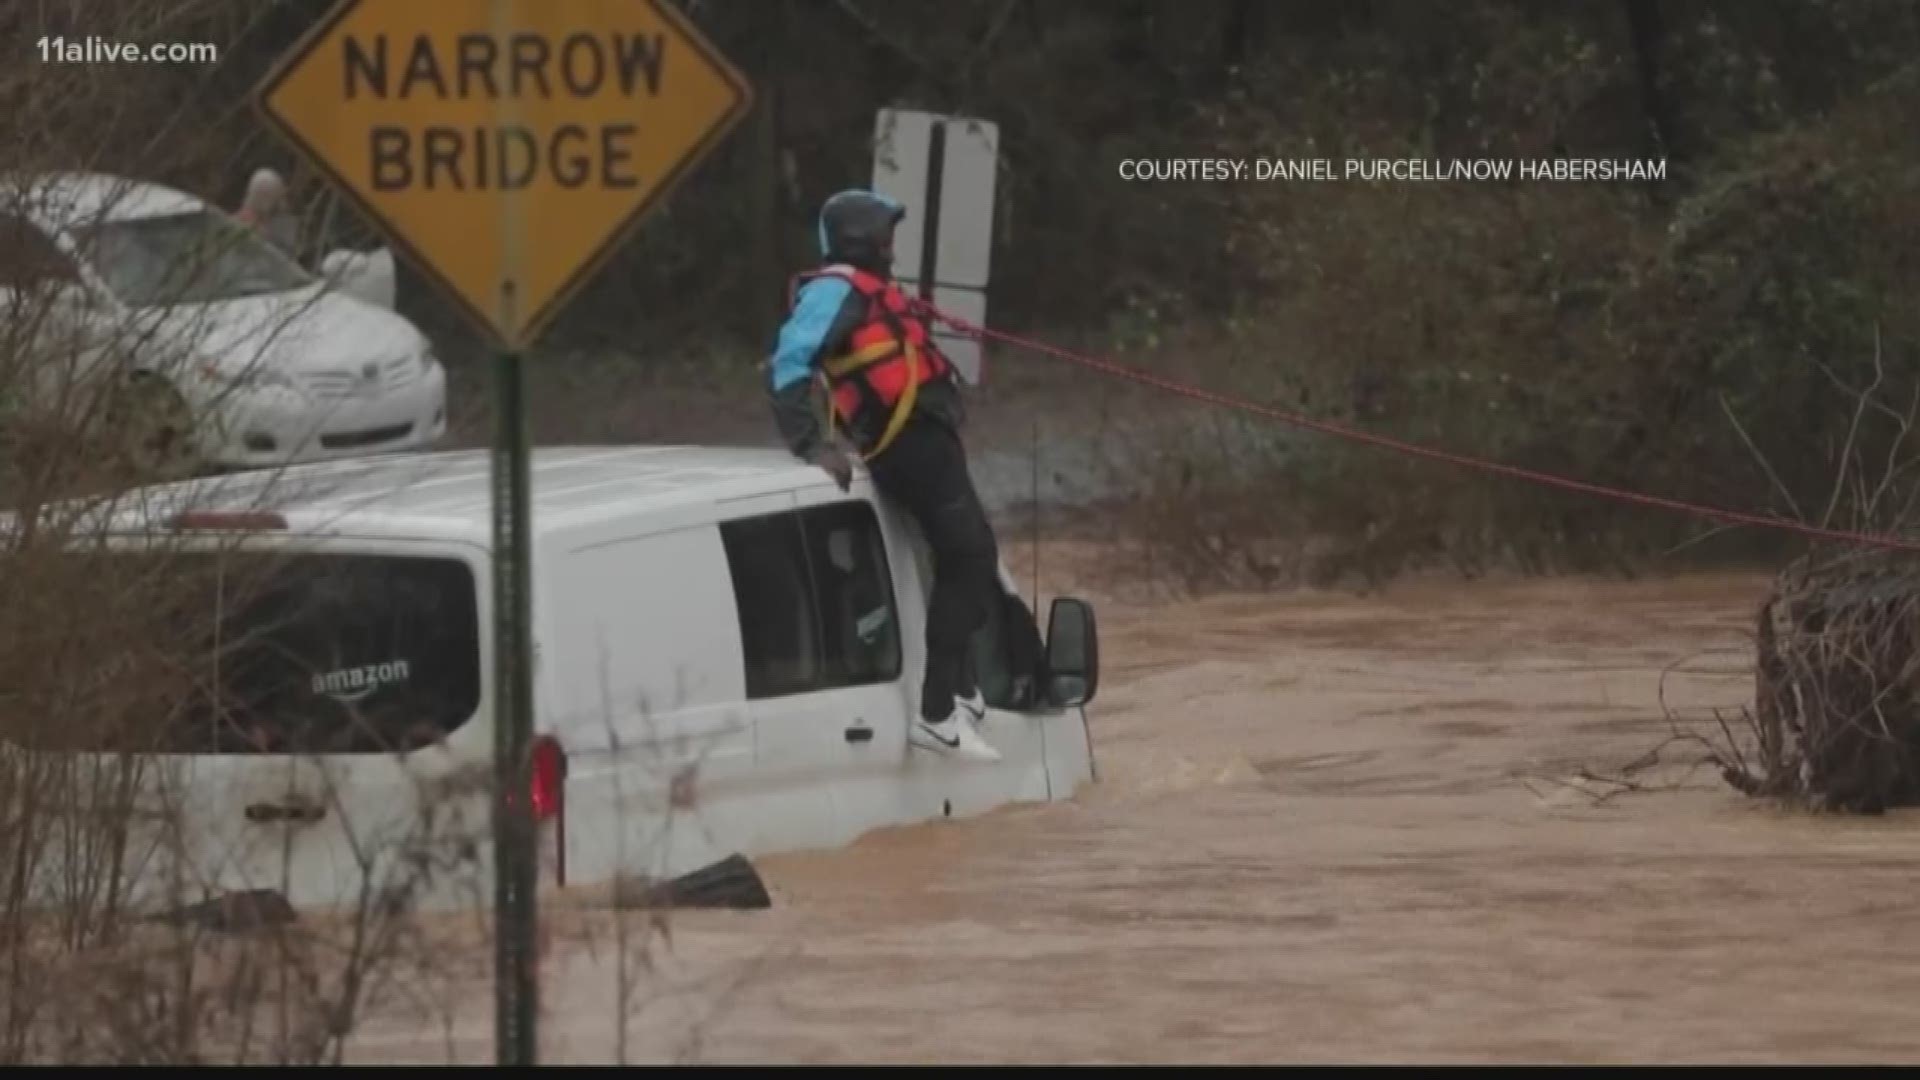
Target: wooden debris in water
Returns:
[[1837, 687]]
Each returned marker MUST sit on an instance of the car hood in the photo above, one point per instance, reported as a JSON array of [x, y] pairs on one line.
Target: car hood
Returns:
[[304, 330]]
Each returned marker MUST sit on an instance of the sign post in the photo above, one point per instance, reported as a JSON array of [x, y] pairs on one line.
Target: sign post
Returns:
[[507, 148], [516, 863]]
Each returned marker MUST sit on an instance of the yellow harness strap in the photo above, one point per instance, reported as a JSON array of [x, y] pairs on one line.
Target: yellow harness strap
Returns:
[[841, 366]]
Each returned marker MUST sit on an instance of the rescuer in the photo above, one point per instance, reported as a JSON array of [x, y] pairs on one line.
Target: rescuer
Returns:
[[892, 400]]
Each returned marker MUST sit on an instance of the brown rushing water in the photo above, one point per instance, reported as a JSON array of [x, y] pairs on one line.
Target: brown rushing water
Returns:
[[1315, 839]]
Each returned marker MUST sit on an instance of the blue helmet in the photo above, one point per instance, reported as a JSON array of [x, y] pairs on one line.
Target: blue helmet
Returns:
[[856, 227]]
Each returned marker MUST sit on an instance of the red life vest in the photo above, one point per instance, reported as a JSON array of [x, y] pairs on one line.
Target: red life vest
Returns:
[[888, 357]]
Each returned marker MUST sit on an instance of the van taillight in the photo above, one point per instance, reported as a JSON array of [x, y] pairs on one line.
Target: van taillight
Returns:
[[547, 795], [238, 521], [549, 777]]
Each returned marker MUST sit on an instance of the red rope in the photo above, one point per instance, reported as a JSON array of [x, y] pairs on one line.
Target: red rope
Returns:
[[1733, 517]]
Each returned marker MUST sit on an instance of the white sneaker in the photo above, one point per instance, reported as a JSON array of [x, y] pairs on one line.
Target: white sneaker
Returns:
[[976, 706], [954, 736]]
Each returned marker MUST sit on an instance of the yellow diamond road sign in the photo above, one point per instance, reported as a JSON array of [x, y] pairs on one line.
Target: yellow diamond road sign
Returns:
[[507, 146]]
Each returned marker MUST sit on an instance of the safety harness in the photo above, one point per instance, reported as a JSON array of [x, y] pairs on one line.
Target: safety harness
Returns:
[[889, 355]]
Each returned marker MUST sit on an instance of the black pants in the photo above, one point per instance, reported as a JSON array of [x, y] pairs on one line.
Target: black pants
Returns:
[[925, 471]]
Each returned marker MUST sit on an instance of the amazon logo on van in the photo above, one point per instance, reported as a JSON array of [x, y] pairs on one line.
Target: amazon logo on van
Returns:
[[349, 685]]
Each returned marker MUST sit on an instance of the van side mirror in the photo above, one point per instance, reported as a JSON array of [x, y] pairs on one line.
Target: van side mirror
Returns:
[[1073, 653]]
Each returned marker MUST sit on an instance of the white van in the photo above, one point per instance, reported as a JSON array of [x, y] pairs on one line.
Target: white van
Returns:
[[728, 655]]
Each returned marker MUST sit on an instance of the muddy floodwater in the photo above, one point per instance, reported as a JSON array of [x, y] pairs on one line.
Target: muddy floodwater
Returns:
[[1327, 828]]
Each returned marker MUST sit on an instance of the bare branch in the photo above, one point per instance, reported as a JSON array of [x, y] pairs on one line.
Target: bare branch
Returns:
[[1759, 457]]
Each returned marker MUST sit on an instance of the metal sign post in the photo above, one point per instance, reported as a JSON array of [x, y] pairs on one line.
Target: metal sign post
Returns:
[[516, 879], [516, 862], [468, 130]]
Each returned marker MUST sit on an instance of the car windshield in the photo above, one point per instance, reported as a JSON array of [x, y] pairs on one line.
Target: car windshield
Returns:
[[186, 258]]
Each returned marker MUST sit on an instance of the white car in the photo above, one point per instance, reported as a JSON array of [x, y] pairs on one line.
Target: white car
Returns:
[[236, 354]]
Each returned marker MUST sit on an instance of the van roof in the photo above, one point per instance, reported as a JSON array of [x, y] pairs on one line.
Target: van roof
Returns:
[[447, 494]]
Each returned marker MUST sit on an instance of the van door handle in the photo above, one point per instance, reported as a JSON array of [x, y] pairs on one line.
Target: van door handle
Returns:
[[261, 813], [860, 733]]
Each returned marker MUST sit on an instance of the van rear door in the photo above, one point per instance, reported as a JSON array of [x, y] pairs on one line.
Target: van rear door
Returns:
[[321, 691]]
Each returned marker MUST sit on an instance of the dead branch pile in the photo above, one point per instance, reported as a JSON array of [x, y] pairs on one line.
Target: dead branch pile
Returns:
[[1837, 687]]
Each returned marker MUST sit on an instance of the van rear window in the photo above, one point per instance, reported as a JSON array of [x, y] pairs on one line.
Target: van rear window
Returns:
[[307, 653]]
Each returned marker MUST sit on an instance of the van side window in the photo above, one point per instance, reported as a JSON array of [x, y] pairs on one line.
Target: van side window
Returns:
[[814, 598], [860, 638], [1008, 655], [767, 557]]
